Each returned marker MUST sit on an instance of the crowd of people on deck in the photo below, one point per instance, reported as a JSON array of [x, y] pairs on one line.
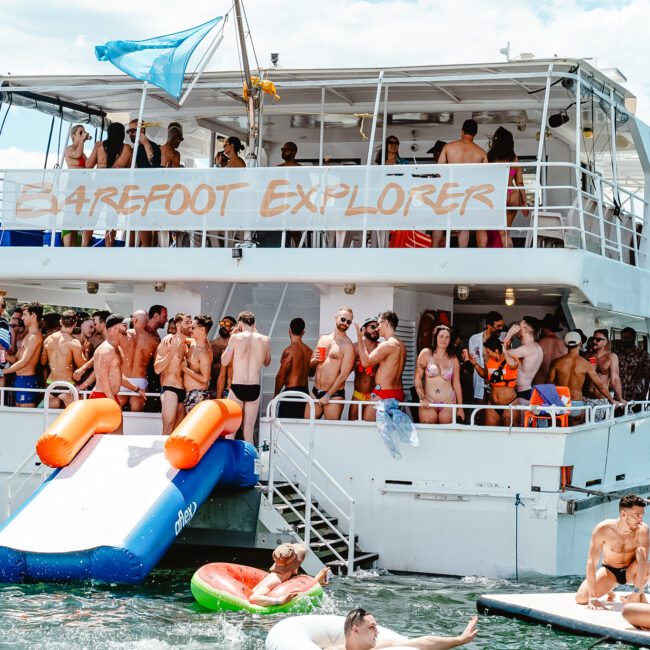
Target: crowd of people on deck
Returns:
[[115, 153], [126, 359]]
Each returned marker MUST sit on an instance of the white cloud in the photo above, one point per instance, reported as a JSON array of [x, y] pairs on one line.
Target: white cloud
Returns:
[[15, 158]]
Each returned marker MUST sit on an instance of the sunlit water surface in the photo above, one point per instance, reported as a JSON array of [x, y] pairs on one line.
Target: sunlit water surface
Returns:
[[162, 613]]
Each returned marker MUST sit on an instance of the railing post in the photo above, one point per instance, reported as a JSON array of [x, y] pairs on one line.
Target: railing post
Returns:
[[310, 472], [601, 216], [351, 534]]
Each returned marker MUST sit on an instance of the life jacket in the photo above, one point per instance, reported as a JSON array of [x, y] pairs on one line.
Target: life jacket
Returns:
[[500, 374]]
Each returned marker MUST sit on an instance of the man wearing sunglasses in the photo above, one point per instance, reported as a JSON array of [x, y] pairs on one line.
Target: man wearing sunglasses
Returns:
[[364, 376], [333, 360], [218, 382], [361, 633], [606, 367]]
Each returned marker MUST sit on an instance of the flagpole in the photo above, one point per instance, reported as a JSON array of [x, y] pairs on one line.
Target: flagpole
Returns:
[[135, 154], [199, 72], [251, 157]]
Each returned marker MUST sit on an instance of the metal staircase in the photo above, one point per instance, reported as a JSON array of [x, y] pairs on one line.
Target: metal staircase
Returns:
[[316, 507]]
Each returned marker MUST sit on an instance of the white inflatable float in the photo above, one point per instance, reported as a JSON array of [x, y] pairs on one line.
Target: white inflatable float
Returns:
[[314, 632], [561, 612]]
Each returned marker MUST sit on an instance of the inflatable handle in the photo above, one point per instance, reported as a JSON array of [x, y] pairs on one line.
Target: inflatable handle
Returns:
[[203, 425], [74, 427]]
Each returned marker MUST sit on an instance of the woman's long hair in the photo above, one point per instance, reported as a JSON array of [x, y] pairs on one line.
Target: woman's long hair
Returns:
[[378, 160], [434, 340], [114, 142], [502, 147]]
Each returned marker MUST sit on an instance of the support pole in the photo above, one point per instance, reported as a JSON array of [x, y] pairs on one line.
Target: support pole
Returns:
[[540, 152], [251, 158]]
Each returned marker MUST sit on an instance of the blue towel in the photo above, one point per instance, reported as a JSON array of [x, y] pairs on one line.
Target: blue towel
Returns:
[[549, 394]]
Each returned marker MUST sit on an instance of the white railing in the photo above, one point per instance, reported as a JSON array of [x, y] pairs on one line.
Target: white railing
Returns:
[[38, 469], [309, 475], [563, 215]]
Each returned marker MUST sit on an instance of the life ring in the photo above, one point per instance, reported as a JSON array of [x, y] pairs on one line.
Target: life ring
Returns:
[[222, 587], [315, 631]]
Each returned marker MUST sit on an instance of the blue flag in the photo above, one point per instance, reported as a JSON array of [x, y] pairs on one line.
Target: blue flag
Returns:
[[161, 60]]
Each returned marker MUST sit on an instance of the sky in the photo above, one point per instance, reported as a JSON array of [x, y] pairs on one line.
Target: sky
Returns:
[[332, 33]]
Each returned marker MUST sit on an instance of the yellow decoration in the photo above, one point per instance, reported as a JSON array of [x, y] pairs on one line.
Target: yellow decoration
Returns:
[[266, 86]]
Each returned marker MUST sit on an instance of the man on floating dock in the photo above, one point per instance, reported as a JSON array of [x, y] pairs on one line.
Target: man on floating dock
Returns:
[[623, 544]]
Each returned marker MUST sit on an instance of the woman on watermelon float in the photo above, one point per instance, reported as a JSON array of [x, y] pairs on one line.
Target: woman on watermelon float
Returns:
[[287, 559]]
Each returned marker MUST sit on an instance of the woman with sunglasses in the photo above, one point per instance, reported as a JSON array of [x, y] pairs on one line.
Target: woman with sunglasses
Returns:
[[391, 153], [437, 379]]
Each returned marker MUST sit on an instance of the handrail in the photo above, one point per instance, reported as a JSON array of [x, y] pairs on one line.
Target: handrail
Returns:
[[277, 428]]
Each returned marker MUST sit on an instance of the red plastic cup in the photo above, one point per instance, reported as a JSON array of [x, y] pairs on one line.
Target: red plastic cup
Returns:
[[592, 361], [322, 352]]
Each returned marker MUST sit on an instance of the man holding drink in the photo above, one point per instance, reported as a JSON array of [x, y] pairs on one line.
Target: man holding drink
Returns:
[[333, 359]]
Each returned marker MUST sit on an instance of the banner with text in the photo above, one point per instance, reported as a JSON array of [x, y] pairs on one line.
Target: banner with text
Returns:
[[404, 197]]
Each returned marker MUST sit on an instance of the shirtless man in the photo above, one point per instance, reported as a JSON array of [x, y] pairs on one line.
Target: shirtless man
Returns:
[[138, 348], [552, 346], [157, 320], [27, 357], [389, 357], [529, 354], [288, 152], [170, 157], [333, 360], [219, 345], [572, 370], [294, 370], [108, 364], [196, 373], [170, 359], [63, 353], [99, 318], [287, 559], [606, 367], [463, 151], [623, 544], [361, 631], [247, 351], [364, 376]]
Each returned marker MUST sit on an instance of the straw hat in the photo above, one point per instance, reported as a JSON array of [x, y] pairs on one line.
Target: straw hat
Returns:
[[288, 558]]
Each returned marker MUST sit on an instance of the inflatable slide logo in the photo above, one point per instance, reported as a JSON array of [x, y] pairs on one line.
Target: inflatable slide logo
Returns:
[[184, 517]]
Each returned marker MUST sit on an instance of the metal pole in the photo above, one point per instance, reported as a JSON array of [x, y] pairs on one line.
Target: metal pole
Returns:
[[213, 146], [137, 133], [371, 143], [310, 467], [322, 127], [199, 72], [540, 152], [384, 125], [251, 158]]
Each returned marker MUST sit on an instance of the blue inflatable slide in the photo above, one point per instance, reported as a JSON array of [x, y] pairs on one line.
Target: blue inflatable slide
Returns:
[[111, 514]]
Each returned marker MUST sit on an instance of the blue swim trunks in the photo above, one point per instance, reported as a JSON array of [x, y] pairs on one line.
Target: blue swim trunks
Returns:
[[26, 397]]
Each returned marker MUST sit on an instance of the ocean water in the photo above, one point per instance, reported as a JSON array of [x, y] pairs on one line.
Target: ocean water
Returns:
[[162, 613]]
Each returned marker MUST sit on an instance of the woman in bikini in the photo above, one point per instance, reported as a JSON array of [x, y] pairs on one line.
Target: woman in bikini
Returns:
[[75, 158], [437, 379], [112, 153], [501, 376], [502, 150]]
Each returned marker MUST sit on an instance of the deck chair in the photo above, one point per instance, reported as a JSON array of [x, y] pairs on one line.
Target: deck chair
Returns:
[[548, 395]]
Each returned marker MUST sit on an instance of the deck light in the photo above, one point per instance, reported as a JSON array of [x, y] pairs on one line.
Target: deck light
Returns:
[[510, 297], [92, 287], [160, 286], [349, 289], [462, 291], [237, 253]]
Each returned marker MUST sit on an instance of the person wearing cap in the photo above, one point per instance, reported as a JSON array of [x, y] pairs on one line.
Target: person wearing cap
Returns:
[[572, 370], [108, 364], [169, 154], [459, 152], [293, 374], [219, 345], [552, 346], [287, 559], [364, 376]]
